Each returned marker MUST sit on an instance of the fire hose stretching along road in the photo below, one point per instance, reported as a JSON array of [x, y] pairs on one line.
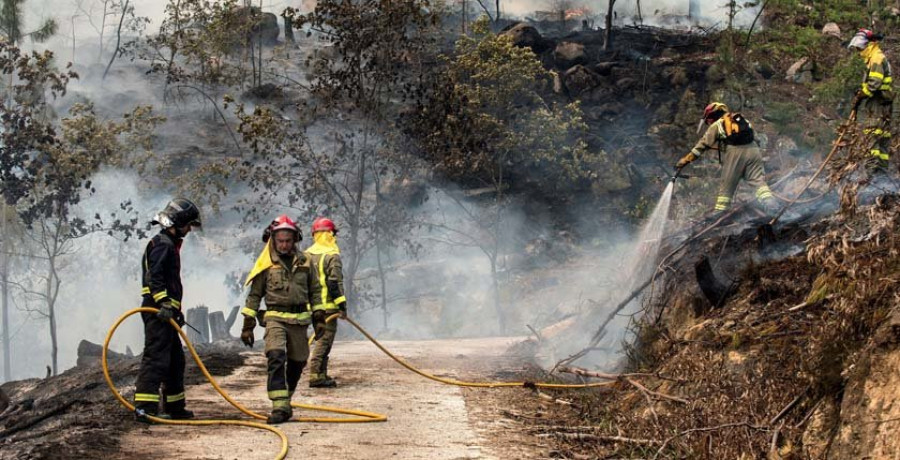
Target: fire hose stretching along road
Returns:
[[358, 415]]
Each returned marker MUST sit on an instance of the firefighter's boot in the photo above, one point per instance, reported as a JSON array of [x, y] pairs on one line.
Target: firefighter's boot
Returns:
[[321, 381], [280, 414]]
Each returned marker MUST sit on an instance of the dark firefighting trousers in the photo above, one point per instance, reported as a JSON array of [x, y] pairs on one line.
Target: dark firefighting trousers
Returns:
[[318, 362], [743, 162], [875, 116], [161, 363], [287, 349]]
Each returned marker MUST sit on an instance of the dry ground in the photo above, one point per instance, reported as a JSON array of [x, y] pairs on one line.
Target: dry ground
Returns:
[[427, 420]]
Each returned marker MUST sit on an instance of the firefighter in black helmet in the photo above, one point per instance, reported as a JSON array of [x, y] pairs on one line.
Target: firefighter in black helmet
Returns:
[[163, 359]]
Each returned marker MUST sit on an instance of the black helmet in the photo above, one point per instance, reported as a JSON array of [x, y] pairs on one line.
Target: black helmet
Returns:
[[178, 213]]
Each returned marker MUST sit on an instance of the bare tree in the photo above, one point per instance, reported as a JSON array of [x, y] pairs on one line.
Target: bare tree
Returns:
[[607, 40]]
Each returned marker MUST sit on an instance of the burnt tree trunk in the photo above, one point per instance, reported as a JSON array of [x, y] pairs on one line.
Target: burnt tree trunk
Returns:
[[217, 329], [607, 39], [198, 318]]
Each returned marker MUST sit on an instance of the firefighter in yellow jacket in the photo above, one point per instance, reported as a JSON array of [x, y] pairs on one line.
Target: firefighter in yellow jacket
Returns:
[[732, 136], [283, 278], [327, 298], [875, 97]]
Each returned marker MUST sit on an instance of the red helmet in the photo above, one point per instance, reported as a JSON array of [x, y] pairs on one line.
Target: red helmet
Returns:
[[712, 112], [322, 224], [282, 222]]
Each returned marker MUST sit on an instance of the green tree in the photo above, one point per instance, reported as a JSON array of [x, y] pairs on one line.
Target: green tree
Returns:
[[487, 126]]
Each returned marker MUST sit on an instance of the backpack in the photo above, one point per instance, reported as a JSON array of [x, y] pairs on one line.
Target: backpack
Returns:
[[738, 130]]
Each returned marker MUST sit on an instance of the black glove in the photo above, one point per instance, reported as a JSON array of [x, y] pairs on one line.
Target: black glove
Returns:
[[166, 312], [318, 320], [247, 330], [179, 318]]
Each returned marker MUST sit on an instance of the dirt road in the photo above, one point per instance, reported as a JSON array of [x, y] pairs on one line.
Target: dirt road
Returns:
[[427, 420]]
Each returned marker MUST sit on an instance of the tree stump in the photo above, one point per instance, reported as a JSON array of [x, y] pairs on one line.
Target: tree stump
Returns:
[[198, 318], [217, 327]]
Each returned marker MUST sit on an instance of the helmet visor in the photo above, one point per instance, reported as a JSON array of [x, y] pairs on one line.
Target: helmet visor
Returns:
[[859, 41]]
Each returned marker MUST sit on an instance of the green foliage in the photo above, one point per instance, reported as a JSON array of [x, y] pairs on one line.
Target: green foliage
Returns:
[[487, 120], [841, 80], [195, 39]]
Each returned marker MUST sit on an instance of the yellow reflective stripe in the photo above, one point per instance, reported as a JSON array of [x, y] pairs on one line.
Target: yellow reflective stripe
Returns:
[[175, 397], [160, 295], [248, 312], [286, 315], [176, 303], [877, 153], [322, 282], [763, 193], [279, 394], [865, 90], [340, 300], [722, 203], [145, 290], [324, 306], [877, 75], [877, 132], [146, 397]]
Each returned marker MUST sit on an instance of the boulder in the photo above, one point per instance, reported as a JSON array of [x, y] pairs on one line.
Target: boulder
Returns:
[[832, 30], [801, 71], [89, 354], [265, 25], [568, 54], [526, 36], [579, 79]]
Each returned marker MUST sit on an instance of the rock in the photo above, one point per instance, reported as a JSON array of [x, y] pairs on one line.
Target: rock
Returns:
[[832, 30], [579, 79], [526, 36], [604, 68], [801, 71], [89, 354], [568, 54], [626, 83], [785, 146], [4, 401], [764, 70], [265, 25]]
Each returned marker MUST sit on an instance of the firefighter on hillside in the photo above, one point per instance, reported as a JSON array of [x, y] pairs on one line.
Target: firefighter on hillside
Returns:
[[732, 135], [282, 277], [875, 97], [327, 298], [163, 357]]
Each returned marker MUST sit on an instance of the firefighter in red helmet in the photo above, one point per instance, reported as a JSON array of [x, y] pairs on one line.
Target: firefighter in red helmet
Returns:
[[327, 298]]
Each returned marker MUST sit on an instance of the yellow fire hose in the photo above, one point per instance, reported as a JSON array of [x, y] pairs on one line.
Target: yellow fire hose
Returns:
[[360, 416]]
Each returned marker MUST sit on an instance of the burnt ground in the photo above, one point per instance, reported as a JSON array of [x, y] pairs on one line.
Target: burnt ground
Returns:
[[73, 415]]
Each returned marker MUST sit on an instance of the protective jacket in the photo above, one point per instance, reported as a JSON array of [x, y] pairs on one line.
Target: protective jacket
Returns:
[[161, 270], [163, 359], [877, 103], [328, 284], [285, 287], [738, 162], [878, 72]]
